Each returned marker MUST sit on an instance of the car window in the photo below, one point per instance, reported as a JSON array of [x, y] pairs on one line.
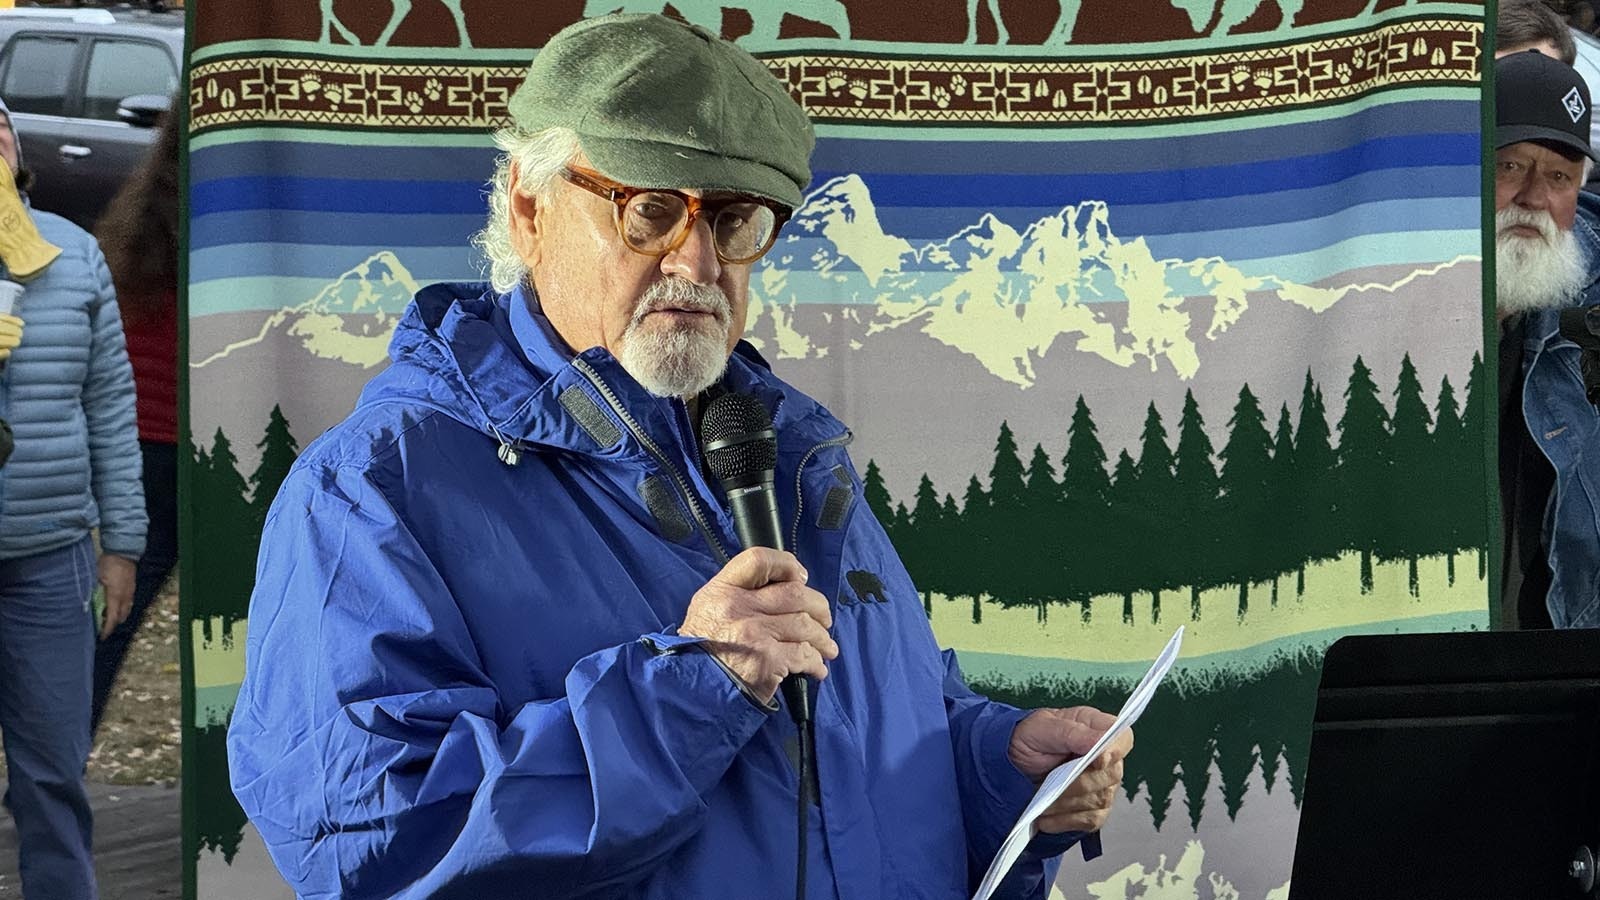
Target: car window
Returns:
[[119, 69], [37, 75]]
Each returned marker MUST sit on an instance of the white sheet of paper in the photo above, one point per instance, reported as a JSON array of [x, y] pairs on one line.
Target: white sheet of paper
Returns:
[[1063, 775]]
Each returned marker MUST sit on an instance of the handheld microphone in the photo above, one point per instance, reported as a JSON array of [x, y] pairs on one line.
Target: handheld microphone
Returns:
[[741, 450]]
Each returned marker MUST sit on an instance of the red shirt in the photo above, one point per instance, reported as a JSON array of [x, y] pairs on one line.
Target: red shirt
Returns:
[[151, 327]]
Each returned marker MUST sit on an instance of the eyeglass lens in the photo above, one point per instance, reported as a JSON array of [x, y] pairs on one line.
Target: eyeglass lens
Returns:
[[652, 222]]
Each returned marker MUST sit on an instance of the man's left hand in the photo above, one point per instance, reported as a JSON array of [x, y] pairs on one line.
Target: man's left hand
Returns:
[[117, 574], [1049, 737]]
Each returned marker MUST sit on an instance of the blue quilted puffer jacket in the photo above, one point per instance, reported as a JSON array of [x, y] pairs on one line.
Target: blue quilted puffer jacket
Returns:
[[67, 392]]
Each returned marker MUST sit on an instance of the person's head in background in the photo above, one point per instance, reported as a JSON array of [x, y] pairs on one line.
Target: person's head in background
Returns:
[[1542, 157], [1580, 14], [1532, 25], [138, 232]]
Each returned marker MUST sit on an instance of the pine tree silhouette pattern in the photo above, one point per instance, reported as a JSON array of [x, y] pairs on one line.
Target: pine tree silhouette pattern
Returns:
[[223, 538], [1284, 499]]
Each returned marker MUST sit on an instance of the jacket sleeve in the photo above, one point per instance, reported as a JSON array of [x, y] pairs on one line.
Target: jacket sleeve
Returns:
[[376, 758], [115, 461], [994, 793]]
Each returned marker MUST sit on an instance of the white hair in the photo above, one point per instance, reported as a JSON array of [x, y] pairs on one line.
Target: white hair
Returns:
[[1588, 166], [539, 157]]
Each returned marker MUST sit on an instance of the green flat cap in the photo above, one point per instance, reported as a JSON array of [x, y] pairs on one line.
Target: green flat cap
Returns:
[[662, 104]]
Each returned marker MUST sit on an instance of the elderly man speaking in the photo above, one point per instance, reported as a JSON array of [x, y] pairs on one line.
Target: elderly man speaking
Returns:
[[1547, 256], [502, 643]]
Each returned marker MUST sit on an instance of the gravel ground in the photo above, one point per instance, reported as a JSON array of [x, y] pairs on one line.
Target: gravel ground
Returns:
[[139, 740]]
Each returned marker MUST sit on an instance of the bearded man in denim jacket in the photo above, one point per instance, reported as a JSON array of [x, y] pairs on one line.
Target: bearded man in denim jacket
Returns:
[[1547, 258], [502, 641]]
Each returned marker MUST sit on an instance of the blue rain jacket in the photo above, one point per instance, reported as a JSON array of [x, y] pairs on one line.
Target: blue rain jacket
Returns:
[[462, 677]]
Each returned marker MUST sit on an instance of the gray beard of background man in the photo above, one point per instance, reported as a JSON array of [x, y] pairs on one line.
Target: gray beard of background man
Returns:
[[1542, 272], [673, 359]]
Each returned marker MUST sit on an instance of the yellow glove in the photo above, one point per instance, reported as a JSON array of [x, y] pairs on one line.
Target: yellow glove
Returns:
[[25, 252], [10, 335]]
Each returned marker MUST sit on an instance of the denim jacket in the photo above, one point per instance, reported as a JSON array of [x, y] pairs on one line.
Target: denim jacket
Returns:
[[1567, 429]]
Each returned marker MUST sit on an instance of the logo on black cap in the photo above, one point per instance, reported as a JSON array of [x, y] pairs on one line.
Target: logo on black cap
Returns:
[[1573, 101]]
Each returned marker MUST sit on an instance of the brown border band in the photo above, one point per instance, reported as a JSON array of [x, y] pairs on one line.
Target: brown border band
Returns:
[[309, 92]]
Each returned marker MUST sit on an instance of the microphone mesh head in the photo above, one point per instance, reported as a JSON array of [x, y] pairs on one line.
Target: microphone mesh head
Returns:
[[739, 420]]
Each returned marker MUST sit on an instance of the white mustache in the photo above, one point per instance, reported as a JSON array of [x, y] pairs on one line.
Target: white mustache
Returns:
[[678, 293], [1513, 216]]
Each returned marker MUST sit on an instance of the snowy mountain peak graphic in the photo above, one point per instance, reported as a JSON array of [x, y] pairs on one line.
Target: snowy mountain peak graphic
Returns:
[[1066, 282], [841, 223], [989, 239], [1005, 296], [379, 284], [349, 320]]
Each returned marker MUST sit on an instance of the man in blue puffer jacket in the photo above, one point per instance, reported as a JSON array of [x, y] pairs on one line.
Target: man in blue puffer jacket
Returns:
[[67, 392], [502, 643]]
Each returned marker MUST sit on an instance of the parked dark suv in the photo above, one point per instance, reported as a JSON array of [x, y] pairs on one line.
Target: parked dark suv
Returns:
[[85, 87]]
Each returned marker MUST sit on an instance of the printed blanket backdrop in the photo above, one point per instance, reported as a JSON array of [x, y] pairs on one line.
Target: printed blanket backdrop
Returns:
[[1144, 313]]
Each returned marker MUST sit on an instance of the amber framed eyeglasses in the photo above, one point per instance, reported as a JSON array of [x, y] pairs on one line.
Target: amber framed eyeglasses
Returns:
[[656, 221]]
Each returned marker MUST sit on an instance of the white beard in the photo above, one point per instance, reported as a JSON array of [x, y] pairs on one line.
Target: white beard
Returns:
[[671, 360], [1544, 272]]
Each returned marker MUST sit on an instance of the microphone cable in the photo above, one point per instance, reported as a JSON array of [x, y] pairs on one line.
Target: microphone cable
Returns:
[[803, 765], [797, 697]]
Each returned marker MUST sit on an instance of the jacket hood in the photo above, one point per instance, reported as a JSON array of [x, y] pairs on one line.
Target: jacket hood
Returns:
[[494, 363], [16, 140]]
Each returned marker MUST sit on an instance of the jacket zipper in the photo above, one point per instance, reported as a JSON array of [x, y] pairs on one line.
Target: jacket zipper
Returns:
[[684, 489], [799, 491]]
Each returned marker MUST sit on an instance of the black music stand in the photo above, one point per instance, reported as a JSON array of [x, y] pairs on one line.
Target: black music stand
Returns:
[[1457, 766]]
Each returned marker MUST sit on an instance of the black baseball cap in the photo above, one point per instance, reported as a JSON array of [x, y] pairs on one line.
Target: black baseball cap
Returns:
[[1538, 98]]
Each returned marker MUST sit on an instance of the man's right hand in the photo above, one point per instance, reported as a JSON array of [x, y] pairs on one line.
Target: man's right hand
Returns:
[[759, 618]]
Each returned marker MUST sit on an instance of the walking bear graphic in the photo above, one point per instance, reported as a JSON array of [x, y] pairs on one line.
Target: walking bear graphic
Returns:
[[867, 587]]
